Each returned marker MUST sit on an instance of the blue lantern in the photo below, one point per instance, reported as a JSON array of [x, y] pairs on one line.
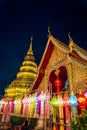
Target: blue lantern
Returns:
[[73, 100]]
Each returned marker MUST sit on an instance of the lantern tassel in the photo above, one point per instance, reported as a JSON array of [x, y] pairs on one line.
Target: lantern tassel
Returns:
[[55, 127]]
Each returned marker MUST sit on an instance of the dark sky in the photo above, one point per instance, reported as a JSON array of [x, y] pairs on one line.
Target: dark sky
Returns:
[[19, 19]]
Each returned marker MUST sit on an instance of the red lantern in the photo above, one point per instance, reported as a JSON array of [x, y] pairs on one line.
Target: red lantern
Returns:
[[66, 104], [82, 100], [66, 99], [58, 84]]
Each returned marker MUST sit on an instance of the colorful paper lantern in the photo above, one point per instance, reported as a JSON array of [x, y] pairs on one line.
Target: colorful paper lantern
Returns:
[[53, 101], [67, 109], [73, 103], [73, 100], [60, 101], [66, 99], [42, 96], [82, 99]]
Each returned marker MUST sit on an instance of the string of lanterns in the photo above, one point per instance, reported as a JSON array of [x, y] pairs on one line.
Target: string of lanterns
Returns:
[[56, 101], [72, 100]]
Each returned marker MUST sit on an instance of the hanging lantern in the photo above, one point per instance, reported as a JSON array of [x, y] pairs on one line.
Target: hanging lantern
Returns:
[[73, 100], [53, 102], [60, 102], [73, 103], [42, 96], [66, 99], [82, 100], [67, 108], [58, 84]]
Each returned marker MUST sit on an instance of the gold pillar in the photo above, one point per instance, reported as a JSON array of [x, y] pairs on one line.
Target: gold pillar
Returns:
[[45, 85], [70, 76]]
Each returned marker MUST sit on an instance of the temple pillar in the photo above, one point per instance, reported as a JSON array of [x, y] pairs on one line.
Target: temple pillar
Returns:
[[70, 76]]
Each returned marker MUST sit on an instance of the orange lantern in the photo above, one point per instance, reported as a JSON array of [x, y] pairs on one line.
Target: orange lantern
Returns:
[[58, 84]]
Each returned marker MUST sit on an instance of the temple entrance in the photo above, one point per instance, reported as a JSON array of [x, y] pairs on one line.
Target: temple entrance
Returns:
[[61, 75], [60, 88]]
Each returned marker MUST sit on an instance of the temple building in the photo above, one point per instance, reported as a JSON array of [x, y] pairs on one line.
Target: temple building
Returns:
[[24, 78], [62, 74], [58, 92], [67, 63]]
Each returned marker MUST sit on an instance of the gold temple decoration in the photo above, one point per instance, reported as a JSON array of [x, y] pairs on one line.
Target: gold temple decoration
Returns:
[[71, 43], [70, 38], [24, 78], [49, 33]]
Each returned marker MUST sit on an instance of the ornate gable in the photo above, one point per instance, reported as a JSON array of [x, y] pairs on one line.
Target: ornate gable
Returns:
[[55, 51]]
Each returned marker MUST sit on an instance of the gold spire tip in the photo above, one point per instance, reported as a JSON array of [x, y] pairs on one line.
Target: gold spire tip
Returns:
[[30, 48], [31, 39], [49, 30], [70, 38]]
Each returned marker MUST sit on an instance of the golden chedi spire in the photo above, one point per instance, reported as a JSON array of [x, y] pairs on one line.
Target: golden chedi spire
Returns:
[[30, 51], [25, 77], [28, 69]]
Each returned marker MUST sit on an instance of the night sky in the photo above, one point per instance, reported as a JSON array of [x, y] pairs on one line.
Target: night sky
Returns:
[[19, 19]]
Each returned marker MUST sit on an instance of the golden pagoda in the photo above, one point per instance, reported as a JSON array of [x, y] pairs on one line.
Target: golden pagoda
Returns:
[[24, 78]]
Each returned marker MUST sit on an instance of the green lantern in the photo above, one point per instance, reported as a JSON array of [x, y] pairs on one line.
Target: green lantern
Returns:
[[53, 102]]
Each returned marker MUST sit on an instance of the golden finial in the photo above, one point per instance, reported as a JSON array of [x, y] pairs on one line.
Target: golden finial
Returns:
[[31, 39], [30, 48], [70, 38], [31, 42], [49, 31], [71, 44]]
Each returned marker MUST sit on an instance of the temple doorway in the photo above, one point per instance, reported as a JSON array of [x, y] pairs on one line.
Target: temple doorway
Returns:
[[60, 87]]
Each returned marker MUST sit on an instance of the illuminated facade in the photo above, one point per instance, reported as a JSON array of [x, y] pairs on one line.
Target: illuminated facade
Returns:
[[62, 70], [66, 62], [24, 78], [62, 75]]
